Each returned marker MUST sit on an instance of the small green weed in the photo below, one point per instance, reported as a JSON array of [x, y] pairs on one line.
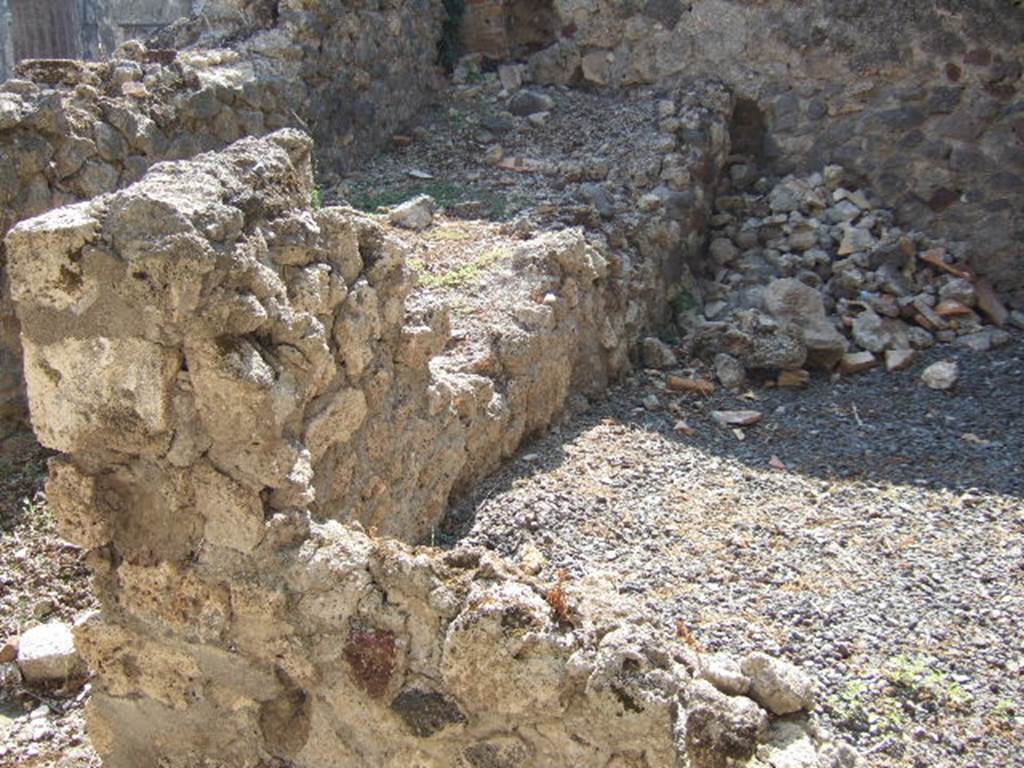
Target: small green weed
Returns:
[[494, 205], [1003, 710], [462, 276], [317, 199], [914, 678], [683, 303]]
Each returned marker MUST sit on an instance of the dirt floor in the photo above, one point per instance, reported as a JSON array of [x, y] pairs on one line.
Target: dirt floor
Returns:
[[42, 578]]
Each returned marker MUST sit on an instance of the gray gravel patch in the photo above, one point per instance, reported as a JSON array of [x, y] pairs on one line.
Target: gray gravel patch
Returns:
[[869, 529]]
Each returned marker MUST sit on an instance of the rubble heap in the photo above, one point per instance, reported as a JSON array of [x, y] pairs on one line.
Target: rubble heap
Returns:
[[813, 272]]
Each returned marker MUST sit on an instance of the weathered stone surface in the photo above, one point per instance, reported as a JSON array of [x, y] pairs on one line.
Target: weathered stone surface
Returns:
[[720, 728], [877, 334], [790, 300], [656, 353], [271, 410], [857, 362], [941, 375], [416, 214], [526, 103], [47, 653], [899, 359], [730, 371], [736, 418], [778, 685], [725, 674]]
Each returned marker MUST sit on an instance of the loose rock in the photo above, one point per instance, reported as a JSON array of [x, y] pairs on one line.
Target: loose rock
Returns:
[[656, 353], [730, 371], [778, 685], [736, 418], [899, 359], [941, 375], [415, 214], [857, 362], [47, 653]]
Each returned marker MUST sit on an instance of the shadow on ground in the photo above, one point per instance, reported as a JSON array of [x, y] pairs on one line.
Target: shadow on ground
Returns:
[[875, 427]]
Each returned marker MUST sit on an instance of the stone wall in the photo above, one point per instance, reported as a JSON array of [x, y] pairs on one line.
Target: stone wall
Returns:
[[46, 29], [922, 97], [357, 70], [205, 350], [138, 19], [70, 131], [6, 46], [351, 72]]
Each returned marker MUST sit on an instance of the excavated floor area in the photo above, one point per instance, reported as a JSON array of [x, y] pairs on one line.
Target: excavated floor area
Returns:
[[869, 529]]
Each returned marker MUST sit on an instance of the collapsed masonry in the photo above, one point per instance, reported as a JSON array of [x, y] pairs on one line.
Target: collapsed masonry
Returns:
[[235, 383]]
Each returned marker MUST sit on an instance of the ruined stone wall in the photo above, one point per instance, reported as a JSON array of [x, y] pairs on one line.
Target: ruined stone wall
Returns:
[[71, 131], [350, 72], [198, 346], [356, 70], [922, 97]]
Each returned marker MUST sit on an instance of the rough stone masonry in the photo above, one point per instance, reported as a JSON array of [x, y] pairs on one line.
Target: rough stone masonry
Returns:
[[73, 130], [245, 400], [195, 345]]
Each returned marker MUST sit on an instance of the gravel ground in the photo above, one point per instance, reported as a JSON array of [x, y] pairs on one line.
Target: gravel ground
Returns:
[[580, 166], [868, 529], [42, 578]]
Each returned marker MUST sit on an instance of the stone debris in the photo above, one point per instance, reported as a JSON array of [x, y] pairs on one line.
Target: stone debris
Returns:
[[857, 362], [941, 375], [683, 428], [899, 359], [777, 685], [10, 676], [47, 653], [723, 672], [9, 651], [695, 386], [526, 103], [415, 214], [737, 418], [657, 354], [797, 379], [809, 267], [730, 371]]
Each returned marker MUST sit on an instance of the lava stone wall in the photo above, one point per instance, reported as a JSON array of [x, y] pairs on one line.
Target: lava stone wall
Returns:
[[921, 97]]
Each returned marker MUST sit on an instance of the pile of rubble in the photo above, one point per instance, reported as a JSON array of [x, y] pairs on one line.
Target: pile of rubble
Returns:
[[814, 273]]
